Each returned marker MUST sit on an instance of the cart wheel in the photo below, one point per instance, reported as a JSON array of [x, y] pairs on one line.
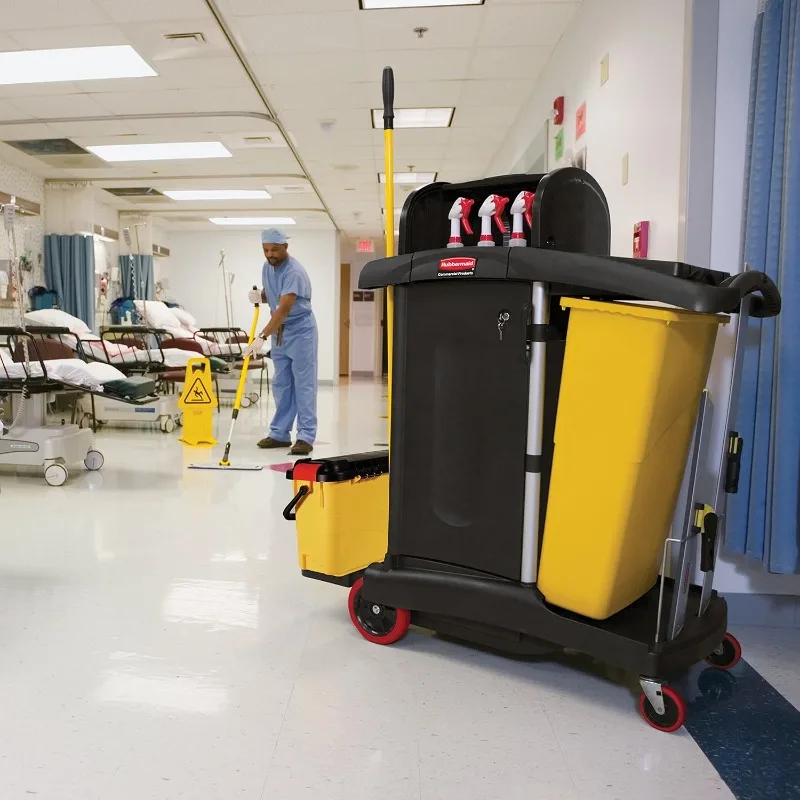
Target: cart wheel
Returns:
[[85, 421], [254, 397], [94, 460], [56, 474], [674, 711], [168, 425], [179, 421], [376, 623], [727, 655]]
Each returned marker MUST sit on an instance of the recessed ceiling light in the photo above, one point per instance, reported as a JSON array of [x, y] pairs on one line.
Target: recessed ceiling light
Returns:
[[252, 220], [410, 177], [165, 151], [369, 5], [217, 194], [416, 117], [72, 64]]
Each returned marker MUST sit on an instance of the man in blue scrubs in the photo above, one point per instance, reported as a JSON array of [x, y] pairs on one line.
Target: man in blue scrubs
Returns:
[[287, 291]]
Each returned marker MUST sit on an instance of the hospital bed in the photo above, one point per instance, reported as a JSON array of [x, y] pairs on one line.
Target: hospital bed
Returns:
[[34, 367]]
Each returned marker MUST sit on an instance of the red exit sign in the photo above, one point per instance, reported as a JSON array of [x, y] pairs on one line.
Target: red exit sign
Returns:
[[365, 246]]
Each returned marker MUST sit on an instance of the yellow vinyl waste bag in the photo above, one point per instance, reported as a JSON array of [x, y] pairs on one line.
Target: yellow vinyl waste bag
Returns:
[[630, 388]]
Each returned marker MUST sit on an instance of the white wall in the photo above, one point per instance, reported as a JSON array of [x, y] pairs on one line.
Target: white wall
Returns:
[[196, 281], [638, 111]]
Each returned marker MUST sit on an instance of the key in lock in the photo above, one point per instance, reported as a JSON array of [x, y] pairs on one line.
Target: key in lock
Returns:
[[502, 318]]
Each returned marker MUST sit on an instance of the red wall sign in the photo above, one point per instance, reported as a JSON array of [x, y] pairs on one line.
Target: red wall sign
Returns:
[[580, 122]]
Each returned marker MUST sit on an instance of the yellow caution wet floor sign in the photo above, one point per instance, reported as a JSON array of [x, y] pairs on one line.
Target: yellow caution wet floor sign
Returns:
[[198, 401]]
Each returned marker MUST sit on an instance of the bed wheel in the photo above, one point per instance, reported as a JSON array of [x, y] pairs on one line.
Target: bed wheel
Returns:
[[254, 397], [245, 402], [167, 425], [56, 474], [179, 421], [94, 460], [85, 421]]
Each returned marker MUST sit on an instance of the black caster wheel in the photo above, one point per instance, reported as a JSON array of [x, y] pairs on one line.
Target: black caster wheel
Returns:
[[674, 711], [727, 655], [376, 623]]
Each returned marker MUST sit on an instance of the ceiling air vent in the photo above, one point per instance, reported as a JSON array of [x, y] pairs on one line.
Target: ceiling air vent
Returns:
[[48, 147], [194, 36], [296, 188], [135, 191]]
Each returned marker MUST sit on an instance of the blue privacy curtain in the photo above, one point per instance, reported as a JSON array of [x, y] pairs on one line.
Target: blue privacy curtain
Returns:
[[69, 271], [763, 517], [137, 282]]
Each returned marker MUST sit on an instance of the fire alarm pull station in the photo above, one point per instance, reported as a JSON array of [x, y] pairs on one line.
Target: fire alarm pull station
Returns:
[[641, 236]]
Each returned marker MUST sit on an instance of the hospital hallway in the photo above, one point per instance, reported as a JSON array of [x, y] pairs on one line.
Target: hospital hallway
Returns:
[[157, 641]]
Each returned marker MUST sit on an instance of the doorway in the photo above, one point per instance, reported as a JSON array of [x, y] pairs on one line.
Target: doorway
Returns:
[[344, 321]]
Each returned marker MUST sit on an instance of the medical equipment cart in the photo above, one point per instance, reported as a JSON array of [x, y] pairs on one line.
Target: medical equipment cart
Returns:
[[545, 423]]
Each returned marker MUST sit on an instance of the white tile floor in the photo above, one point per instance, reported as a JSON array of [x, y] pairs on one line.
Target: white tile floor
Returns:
[[158, 642]]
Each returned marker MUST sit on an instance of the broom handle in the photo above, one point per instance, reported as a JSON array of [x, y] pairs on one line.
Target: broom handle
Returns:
[[240, 388], [388, 167]]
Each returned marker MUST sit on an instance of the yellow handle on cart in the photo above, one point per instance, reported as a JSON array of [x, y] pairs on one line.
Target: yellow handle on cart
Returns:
[[388, 167]]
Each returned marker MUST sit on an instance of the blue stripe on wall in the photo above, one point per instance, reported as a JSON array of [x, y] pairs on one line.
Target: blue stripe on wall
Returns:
[[747, 730]]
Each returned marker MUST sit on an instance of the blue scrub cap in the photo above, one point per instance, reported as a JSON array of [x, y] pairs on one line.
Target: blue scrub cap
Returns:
[[273, 236]]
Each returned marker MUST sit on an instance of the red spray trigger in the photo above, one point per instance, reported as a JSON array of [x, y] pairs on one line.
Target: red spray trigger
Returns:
[[529, 198], [466, 205], [500, 203]]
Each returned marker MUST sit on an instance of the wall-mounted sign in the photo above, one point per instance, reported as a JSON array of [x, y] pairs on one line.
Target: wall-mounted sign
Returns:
[[580, 122], [358, 297], [369, 297], [365, 246]]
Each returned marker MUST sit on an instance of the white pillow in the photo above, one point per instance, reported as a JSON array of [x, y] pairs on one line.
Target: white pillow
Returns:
[[185, 318], [58, 319], [155, 314], [103, 373], [178, 333]]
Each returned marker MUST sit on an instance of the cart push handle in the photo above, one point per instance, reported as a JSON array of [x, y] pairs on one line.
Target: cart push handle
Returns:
[[387, 86], [746, 283], [290, 512]]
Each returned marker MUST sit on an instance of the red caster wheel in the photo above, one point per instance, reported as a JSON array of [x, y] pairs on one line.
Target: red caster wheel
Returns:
[[674, 711], [376, 623], [727, 655]]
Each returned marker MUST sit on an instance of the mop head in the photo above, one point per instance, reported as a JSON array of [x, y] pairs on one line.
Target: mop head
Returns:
[[230, 467]]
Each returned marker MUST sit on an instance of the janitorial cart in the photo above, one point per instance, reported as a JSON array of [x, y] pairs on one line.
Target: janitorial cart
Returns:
[[547, 484]]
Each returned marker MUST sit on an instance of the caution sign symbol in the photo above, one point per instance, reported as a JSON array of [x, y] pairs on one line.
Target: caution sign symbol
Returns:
[[197, 394]]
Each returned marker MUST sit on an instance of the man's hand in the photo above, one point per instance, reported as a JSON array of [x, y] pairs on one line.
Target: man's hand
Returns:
[[253, 350], [254, 296]]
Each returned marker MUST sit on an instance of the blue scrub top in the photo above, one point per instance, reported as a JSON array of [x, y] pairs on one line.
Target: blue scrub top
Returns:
[[289, 278]]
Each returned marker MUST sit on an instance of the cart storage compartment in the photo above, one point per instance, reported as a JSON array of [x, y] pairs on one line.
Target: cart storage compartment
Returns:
[[342, 512], [633, 376]]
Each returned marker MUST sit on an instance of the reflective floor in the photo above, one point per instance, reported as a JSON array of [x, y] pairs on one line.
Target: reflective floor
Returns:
[[157, 641]]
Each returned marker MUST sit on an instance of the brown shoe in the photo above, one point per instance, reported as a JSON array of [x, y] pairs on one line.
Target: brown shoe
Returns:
[[272, 444], [301, 448]]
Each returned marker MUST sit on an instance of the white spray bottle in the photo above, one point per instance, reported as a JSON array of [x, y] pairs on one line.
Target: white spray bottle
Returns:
[[459, 214], [521, 208], [492, 208]]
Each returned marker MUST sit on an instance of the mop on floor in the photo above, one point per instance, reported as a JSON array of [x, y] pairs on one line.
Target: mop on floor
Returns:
[[225, 462]]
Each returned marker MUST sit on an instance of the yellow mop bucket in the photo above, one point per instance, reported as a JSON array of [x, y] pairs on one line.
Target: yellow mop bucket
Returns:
[[341, 506], [630, 388]]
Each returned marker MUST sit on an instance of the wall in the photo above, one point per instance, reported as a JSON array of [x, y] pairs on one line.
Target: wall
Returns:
[[29, 230], [638, 111], [195, 280]]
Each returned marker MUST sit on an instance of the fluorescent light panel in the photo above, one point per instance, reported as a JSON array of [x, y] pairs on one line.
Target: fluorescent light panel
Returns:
[[252, 220], [217, 194], [370, 5], [73, 64], [410, 178], [416, 117], [165, 151]]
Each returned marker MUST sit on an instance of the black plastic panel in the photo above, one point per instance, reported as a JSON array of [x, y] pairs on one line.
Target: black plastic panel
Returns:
[[459, 419]]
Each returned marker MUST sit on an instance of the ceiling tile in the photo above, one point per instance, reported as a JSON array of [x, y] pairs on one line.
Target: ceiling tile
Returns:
[[7, 44], [148, 10], [480, 93], [419, 65], [182, 101], [477, 116], [508, 62], [79, 105], [333, 67], [258, 7], [344, 96], [527, 25], [202, 73], [24, 14], [111, 127], [148, 38], [447, 27], [293, 33], [85, 36]]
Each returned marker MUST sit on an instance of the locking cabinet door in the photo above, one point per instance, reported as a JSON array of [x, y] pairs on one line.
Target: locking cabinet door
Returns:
[[459, 423]]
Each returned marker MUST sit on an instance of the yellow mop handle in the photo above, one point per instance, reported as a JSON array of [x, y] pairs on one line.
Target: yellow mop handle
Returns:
[[224, 462], [388, 167]]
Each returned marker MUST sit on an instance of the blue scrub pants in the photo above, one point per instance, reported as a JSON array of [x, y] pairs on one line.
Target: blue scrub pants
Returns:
[[295, 382]]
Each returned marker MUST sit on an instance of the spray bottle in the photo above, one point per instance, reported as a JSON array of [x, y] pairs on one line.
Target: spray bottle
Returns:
[[459, 214], [492, 207], [522, 207]]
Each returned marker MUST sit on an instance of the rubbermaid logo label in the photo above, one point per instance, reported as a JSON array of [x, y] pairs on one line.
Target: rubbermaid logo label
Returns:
[[457, 266]]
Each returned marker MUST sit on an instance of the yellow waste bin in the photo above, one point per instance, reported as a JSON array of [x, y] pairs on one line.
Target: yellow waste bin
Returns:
[[341, 506], [632, 379]]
